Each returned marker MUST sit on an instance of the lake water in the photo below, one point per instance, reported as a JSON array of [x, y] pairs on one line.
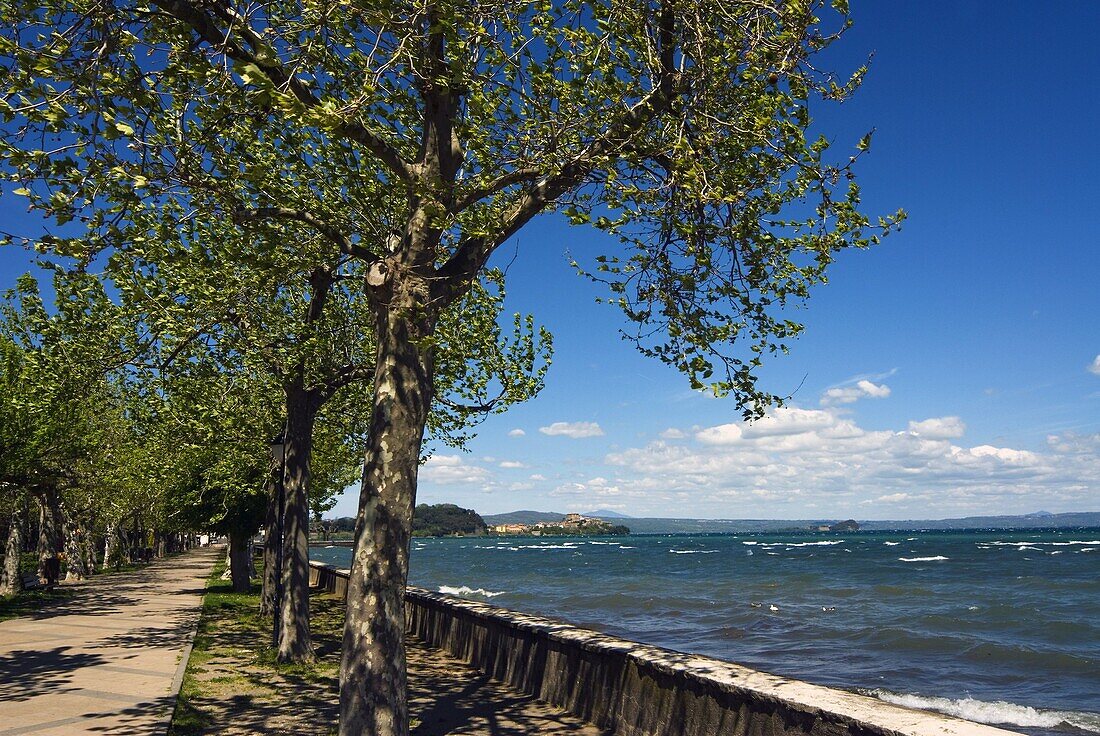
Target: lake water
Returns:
[[998, 627]]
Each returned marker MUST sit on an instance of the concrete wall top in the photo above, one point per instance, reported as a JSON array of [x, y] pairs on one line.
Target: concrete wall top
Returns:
[[861, 713]]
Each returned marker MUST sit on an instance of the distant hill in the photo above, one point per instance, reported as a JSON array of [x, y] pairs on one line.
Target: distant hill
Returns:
[[444, 520], [731, 526], [1040, 519], [606, 514], [522, 517]]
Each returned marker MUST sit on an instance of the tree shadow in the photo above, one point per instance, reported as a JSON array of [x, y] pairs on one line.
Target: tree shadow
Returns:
[[449, 697], [27, 673]]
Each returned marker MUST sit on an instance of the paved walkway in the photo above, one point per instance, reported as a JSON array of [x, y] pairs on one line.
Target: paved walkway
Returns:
[[109, 659]]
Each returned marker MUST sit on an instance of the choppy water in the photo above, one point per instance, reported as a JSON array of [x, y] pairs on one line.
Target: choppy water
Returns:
[[999, 627]]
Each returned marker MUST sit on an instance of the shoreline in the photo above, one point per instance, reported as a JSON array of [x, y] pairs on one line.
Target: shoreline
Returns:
[[642, 690]]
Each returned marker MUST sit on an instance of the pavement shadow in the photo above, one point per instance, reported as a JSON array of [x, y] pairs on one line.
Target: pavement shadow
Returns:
[[27, 673], [173, 636]]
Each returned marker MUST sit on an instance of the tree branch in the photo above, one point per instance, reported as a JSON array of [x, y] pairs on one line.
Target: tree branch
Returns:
[[454, 276], [475, 195], [345, 244], [255, 51]]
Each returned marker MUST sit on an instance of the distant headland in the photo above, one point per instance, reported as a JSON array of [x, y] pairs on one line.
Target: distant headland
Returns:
[[442, 520]]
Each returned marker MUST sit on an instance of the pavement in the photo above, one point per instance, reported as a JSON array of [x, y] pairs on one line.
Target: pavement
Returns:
[[110, 658]]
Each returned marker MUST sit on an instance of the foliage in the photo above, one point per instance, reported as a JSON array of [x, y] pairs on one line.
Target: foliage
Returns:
[[598, 529], [345, 136], [445, 520]]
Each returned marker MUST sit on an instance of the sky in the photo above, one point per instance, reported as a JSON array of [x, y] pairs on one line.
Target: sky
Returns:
[[953, 370]]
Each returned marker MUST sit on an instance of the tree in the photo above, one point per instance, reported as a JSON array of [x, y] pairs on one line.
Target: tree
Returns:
[[679, 128], [287, 305], [58, 410]]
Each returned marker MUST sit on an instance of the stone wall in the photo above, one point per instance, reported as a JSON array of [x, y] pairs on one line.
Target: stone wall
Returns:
[[633, 689]]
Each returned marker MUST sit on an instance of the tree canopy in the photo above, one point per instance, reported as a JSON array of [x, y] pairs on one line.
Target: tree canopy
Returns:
[[408, 141]]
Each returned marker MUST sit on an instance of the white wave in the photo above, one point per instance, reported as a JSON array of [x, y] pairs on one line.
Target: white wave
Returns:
[[693, 551], [997, 711], [937, 558], [1071, 543], [1033, 549], [467, 590], [621, 546], [1056, 552], [814, 544], [534, 546], [750, 543], [1089, 549], [891, 544], [748, 553]]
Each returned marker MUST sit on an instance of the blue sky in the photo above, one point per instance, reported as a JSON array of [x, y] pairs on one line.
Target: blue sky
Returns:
[[944, 373]]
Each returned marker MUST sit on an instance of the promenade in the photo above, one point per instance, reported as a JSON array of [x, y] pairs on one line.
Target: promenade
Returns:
[[108, 659]]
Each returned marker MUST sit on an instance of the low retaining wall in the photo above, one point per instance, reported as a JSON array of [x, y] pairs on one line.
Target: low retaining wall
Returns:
[[634, 689]]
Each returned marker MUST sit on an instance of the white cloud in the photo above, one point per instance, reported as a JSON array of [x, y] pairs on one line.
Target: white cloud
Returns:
[[672, 434], [576, 430], [517, 432], [1094, 367], [939, 428], [538, 476], [796, 457], [862, 389], [452, 470], [512, 464]]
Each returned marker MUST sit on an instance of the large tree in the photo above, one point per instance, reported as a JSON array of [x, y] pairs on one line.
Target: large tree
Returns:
[[681, 128]]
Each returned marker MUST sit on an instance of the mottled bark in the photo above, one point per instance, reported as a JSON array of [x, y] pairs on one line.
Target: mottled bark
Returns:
[[227, 573], [112, 547], [89, 549], [49, 537], [239, 549], [295, 643], [372, 669], [11, 579], [74, 551], [271, 544]]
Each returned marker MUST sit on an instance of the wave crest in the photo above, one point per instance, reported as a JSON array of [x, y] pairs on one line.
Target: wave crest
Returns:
[[994, 712], [467, 590]]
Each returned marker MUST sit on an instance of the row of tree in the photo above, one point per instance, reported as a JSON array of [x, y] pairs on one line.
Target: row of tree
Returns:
[[290, 209]]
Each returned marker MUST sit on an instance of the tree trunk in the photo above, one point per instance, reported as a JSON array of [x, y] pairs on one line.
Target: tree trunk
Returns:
[[227, 573], [271, 544], [125, 550], [295, 643], [49, 538], [11, 578], [239, 549], [112, 546], [89, 549], [74, 551], [372, 668]]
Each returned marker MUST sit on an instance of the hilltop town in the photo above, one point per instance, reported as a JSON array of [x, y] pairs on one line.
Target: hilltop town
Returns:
[[571, 525]]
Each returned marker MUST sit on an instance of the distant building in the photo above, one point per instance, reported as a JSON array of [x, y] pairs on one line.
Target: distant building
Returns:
[[574, 520], [511, 529]]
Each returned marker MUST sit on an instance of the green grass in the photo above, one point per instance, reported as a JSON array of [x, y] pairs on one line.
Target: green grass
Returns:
[[232, 656], [30, 602], [186, 719]]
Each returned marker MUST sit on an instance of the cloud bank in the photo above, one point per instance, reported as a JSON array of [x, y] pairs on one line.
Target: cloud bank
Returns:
[[575, 430]]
